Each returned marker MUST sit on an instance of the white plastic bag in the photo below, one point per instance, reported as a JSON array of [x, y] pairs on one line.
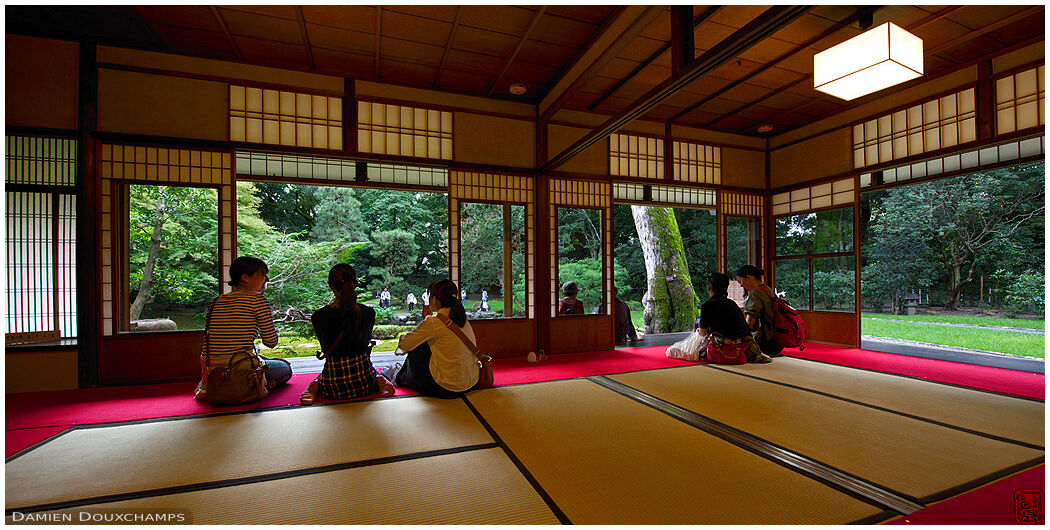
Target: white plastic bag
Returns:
[[687, 349]]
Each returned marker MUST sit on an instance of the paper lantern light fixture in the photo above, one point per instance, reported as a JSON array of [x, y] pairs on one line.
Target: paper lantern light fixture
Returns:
[[876, 59]]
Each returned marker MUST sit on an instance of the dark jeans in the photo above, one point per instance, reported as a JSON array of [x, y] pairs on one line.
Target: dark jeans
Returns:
[[280, 372], [415, 374]]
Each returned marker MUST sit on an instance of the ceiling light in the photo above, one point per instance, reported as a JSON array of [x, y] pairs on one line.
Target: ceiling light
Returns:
[[764, 128], [517, 89], [874, 60]]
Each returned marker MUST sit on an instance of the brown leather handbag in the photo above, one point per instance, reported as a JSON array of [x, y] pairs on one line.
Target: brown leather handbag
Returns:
[[485, 376]]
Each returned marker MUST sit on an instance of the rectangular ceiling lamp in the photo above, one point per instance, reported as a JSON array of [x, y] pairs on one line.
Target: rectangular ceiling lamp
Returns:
[[876, 59]]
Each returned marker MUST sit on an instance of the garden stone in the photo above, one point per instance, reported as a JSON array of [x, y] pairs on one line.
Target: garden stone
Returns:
[[153, 324]]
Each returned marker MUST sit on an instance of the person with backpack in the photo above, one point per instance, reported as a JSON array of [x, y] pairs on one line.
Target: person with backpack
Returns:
[[569, 305], [722, 322], [759, 310]]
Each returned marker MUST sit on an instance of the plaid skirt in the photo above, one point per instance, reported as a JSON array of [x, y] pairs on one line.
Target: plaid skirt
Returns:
[[348, 377]]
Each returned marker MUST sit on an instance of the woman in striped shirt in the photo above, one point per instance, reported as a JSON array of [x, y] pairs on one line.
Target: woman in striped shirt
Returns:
[[237, 318]]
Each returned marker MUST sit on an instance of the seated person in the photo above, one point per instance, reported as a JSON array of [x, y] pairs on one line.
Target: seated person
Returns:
[[344, 329], [623, 325], [569, 305], [721, 316], [759, 308], [438, 362]]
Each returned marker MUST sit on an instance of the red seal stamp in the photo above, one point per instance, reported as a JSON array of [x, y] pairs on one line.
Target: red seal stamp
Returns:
[[1028, 506]]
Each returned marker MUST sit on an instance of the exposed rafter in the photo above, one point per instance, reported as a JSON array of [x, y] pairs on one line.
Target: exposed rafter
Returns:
[[448, 46], [226, 30], [528, 30], [615, 35], [652, 58], [830, 31], [729, 48], [306, 38], [973, 34]]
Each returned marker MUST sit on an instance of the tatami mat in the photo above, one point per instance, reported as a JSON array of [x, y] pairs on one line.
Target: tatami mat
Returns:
[[473, 487], [605, 459], [99, 461], [913, 457], [1009, 417]]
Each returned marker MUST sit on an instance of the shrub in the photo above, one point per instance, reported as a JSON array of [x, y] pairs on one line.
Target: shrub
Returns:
[[387, 332]]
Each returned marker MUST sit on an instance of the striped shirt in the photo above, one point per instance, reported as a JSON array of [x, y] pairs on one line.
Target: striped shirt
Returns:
[[236, 319]]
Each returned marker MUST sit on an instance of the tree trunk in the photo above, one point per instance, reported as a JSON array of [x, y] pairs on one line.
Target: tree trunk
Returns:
[[670, 303], [144, 297]]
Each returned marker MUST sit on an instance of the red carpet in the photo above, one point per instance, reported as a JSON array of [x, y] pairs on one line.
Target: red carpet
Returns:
[[516, 370], [1014, 382], [20, 439], [994, 503]]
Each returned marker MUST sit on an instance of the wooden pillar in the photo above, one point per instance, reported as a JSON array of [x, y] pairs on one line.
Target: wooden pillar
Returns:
[[89, 305], [508, 276], [683, 50]]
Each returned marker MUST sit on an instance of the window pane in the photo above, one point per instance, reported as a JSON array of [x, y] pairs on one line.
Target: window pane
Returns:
[[173, 262], [834, 284], [580, 254], [815, 233], [483, 274], [792, 281]]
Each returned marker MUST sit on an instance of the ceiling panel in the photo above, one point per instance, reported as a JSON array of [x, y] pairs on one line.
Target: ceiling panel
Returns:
[[564, 31], [340, 63], [474, 62], [465, 82], [340, 39], [402, 72], [277, 11], [482, 41], [198, 17], [641, 49], [272, 53], [412, 51], [505, 19], [584, 13], [416, 29], [193, 41], [539, 52], [708, 34], [357, 18], [445, 13], [262, 26]]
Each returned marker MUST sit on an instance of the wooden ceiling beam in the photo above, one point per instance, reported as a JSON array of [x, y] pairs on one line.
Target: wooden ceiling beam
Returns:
[[226, 30], [973, 34], [621, 28], [769, 22], [448, 45], [746, 106], [825, 34], [306, 38], [652, 58], [521, 43]]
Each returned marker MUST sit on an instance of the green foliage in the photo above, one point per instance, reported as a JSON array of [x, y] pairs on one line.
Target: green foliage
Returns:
[[1025, 292], [579, 234], [1009, 342], [387, 332], [587, 273], [185, 268]]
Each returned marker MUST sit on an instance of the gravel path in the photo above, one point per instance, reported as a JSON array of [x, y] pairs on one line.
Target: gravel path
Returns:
[[982, 326]]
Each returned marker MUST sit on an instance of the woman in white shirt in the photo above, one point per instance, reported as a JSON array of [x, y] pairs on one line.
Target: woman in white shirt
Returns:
[[438, 363]]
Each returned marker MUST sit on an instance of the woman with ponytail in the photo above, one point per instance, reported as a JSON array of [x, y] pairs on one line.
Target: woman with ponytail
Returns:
[[439, 362], [344, 329]]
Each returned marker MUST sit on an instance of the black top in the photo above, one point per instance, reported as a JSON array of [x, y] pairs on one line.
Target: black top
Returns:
[[327, 326], [721, 315]]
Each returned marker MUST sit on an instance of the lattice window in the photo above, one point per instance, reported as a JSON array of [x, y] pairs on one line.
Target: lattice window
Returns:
[[582, 194], [936, 124], [337, 170], [467, 186], [280, 117], [698, 163], [670, 195], [45, 161], [403, 131], [636, 156], [1019, 100], [958, 162], [162, 166], [41, 238], [814, 197], [741, 204]]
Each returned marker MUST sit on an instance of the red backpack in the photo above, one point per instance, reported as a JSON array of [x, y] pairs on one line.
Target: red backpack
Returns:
[[789, 330]]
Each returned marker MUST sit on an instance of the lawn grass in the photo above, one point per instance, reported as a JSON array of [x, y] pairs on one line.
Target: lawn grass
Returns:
[[961, 319], [1009, 342]]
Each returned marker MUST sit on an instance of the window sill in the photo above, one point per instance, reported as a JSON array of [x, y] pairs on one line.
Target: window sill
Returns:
[[26, 347]]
